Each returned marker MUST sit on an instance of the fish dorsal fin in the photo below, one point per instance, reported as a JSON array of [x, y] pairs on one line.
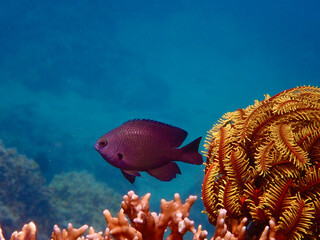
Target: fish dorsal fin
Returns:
[[173, 135]]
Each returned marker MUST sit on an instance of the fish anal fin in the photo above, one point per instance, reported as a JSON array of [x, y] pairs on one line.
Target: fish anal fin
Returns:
[[166, 172]]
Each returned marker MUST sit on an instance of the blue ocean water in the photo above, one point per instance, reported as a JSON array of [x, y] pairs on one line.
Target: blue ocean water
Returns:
[[72, 70]]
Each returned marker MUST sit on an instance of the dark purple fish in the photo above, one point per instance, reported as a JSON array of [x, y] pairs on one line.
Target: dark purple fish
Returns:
[[150, 146]]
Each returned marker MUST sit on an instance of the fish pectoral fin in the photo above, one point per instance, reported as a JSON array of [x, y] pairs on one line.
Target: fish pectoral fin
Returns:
[[132, 172], [130, 175], [165, 172]]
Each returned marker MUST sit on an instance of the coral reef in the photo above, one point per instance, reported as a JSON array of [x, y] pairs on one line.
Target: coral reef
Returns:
[[174, 215], [262, 180], [25, 196], [146, 225], [72, 191], [263, 163], [23, 192]]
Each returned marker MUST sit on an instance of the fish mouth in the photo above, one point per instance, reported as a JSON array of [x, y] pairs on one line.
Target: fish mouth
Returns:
[[96, 146]]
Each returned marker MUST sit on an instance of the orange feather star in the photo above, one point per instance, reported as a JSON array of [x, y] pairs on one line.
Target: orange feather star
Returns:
[[263, 163]]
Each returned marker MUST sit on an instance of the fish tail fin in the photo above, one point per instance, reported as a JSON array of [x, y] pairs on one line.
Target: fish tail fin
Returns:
[[190, 153]]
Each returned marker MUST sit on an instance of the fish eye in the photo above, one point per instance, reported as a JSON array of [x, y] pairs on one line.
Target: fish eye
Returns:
[[120, 156], [103, 143]]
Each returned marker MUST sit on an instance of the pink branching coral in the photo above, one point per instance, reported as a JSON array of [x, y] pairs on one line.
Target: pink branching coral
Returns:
[[146, 225], [149, 225]]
